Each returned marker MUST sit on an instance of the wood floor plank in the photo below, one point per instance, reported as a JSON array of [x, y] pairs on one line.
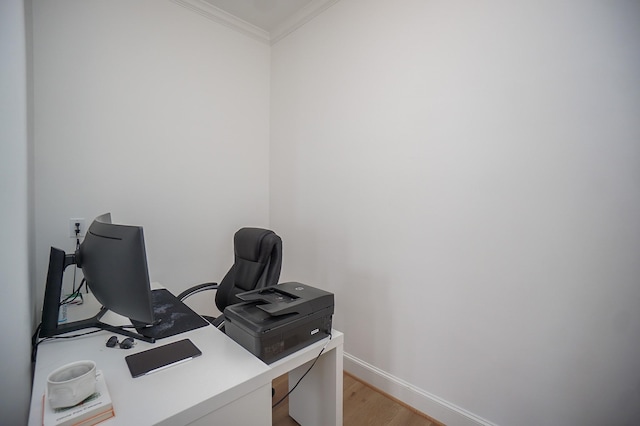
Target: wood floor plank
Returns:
[[362, 405]]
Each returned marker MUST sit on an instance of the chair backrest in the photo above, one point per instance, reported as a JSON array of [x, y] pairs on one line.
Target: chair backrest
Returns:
[[257, 264]]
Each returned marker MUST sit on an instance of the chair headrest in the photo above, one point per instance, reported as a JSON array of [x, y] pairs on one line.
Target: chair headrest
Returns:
[[258, 258], [250, 244]]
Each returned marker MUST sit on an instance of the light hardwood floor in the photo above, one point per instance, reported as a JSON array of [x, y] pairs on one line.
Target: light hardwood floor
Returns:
[[363, 405]]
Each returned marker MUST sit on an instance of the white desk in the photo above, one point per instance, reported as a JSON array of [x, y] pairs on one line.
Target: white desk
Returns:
[[227, 385]]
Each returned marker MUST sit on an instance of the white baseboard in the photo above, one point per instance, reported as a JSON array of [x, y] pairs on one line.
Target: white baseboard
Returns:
[[435, 407]]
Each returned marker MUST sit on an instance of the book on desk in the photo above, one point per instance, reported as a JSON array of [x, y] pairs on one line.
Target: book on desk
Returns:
[[95, 409]]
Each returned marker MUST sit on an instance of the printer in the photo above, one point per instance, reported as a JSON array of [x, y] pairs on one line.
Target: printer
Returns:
[[276, 321]]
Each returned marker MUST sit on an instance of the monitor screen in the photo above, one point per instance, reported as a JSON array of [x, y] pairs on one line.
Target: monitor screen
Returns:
[[114, 263]]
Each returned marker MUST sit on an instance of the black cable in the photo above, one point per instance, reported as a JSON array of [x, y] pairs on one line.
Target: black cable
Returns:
[[303, 376], [35, 342], [142, 326], [75, 267], [73, 296], [71, 336], [67, 300]]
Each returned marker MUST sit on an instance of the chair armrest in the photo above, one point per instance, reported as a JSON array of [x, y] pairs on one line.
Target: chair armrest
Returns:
[[197, 289]]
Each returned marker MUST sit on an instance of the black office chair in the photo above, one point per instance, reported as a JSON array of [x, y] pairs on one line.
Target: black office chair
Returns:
[[257, 264]]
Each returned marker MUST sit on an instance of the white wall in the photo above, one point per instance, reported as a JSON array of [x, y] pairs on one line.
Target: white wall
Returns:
[[151, 112], [15, 303], [466, 179]]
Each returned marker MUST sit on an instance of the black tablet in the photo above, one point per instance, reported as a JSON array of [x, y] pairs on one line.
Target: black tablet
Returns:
[[159, 358]]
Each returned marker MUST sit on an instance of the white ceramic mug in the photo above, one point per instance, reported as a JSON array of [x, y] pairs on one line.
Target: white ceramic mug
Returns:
[[71, 383]]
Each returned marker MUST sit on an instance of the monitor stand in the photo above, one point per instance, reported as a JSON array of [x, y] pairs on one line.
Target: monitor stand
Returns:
[[58, 262]]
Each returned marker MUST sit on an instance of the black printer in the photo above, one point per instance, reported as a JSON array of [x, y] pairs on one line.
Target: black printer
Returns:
[[276, 321]]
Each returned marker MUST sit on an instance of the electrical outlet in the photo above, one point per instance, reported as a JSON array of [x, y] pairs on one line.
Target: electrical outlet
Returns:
[[79, 222]]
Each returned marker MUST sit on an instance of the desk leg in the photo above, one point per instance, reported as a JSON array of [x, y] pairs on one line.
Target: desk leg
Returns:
[[318, 398]]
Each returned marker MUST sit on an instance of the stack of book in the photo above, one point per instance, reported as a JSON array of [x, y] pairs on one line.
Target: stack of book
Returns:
[[93, 410]]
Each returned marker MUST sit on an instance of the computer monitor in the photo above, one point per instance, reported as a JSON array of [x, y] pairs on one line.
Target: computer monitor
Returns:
[[114, 262]]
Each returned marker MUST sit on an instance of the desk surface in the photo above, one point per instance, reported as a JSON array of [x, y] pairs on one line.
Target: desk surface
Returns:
[[180, 394], [224, 372]]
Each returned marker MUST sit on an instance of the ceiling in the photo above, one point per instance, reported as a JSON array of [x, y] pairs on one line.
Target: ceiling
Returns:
[[265, 14]]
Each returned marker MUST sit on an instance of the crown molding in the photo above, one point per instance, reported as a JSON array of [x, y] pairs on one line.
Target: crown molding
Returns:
[[304, 15], [218, 15]]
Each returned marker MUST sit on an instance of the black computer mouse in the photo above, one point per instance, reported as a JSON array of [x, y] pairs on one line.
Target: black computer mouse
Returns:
[[112, 342], [127, 343]]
